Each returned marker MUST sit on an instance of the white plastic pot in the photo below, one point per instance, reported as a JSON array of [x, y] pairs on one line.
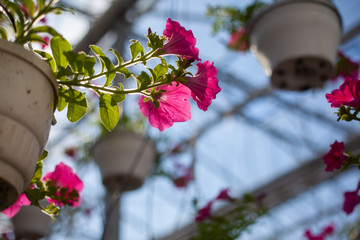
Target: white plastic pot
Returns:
[[296, 42], [28, 92], [30, 223], [124, 159]]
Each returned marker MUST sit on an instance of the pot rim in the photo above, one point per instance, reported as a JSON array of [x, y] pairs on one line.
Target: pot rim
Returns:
[[31, 58], [280, 3]]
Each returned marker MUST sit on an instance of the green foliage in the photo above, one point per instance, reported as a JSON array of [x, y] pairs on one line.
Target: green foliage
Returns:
[[109, 111], [77, 105], [136, 49], [230, 225], [231, 18]]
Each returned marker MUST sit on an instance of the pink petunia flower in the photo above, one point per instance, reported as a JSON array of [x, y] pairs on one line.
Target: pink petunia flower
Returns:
[[15, 208], [351, 200], [224, 195], [204, 212], [204, 85], [68, 186], [335, 157], [348, 94], [180, 41], [239, 40], [345, 67], [328, 230], [173, 106]]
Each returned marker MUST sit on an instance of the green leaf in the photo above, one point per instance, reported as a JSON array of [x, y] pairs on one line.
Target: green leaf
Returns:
[[38, 172], [105, 62], [48, 58], [159, 71], [35, 195], [77, 105], [143, 80], [59, 46], [117, 55], [117, 97], [109, 111], [44, 29], [3, 33], [30, 5], [136, 49], [63, 98], [81, 63], [43, 155], [125, 71], [40, 4]]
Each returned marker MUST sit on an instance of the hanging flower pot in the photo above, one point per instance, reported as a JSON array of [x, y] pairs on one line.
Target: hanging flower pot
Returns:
[[28, 94], [296, 42], [30, 223], [124, 159]]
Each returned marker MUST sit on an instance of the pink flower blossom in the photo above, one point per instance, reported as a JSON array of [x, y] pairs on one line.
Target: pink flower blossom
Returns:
[[15, 208], [335, 157], [224, 195], [204, 212], [173, 106], [346, 67], [351, 200], [328, 230], [180, 41], [68, 186], [348, 94], [239, 40], [44, 45], [204, 85]]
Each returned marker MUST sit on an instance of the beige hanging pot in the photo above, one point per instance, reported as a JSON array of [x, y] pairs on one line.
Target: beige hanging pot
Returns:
[[31, 223], [296, 42], [28, 95], [124, 159]]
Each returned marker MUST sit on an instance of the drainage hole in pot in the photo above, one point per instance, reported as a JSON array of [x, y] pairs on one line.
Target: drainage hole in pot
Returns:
[[322, 64], [28, 91], [280, 72], [324, 77], [299, 61], [304, 87]]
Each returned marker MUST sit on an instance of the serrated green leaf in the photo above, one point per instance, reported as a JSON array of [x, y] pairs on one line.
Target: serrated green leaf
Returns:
[[109, 111], [48, 58], [63, 98], [81, 63], [77, 105], [135, 49], [59, 46]]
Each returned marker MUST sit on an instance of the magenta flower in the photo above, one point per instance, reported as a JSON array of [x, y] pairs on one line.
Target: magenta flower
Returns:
[[239, 40], [351, 200], [180, 41], [173, 106], [348, 94], [15, 208], [335, 157], [204, 212], [224, 195], [345, 67], [204, 85], [67, 184], [328, 230]]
